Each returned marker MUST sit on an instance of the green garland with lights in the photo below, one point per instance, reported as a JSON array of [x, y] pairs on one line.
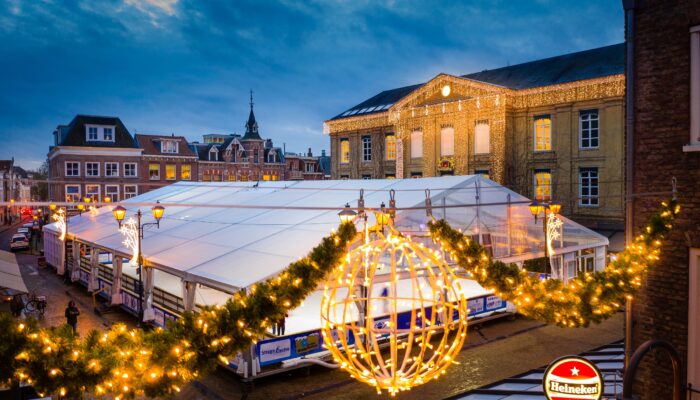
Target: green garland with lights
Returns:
[[592, 297], [129, 362]]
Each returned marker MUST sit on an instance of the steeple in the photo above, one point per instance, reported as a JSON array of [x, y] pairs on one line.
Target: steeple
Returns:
[[251, 127]]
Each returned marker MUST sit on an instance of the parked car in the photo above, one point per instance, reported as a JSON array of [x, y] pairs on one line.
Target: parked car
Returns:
[[24, 231], [27, 225], [19, 242]]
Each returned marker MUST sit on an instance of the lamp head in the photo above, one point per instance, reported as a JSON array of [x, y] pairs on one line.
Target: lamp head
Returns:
[[347, 214], [555, 208], [107, 199], [157, 212], [87, 199], [119, 212], [535, 208], [81, 207], [52, 207]]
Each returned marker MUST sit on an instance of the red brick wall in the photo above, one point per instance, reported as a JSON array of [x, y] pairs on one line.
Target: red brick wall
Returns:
[[661, 128]]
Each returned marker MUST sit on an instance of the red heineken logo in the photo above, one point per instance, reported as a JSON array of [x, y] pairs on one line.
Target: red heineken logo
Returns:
[[572, 378]]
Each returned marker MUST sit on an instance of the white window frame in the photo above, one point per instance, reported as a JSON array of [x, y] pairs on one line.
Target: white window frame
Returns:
[[182, 166], [534, 133], [482, 145], [100, 133], [87, 163], [343, 159], [694, 139], [136, 170], [215, 151], [108, 194], [99, 191], [150, 178], [590, 130], [694, 317], [535, 186], [589, 199], [390, 144], [447, 141], [90, 133], [366, 148], [175, 143], [174, 178], [416, 144], [71, 162], [126, 193], [309, 167], [80, 192], [117, 169], [111, 134]]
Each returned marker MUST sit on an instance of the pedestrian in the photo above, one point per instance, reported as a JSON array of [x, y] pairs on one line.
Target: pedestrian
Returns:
[[16, 305], [281, 325], [72, 315]]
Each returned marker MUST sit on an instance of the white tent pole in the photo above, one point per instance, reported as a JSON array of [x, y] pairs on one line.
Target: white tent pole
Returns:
[[94, 259], [148, 313], [75, 267]]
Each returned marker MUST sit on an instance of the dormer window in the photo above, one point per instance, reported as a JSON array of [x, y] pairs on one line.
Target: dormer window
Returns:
[[271, 157], [213, 154], [99, 133], [169, 146]]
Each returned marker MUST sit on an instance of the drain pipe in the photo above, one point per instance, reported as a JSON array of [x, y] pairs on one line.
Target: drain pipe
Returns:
[[629, 7]]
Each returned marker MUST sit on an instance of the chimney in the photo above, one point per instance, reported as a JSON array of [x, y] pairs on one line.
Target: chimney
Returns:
[[310, 155], [323, 153]]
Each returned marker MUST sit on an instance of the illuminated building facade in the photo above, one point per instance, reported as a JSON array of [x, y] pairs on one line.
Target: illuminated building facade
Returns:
[[550, 129]]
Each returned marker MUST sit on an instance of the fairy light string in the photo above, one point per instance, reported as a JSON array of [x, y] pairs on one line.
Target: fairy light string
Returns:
[[588, 298]]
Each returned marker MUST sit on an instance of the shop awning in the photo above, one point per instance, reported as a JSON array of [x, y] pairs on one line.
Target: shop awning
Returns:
[[10, 277]]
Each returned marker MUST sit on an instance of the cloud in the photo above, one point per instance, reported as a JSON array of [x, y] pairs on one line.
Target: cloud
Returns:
[[149, 6]]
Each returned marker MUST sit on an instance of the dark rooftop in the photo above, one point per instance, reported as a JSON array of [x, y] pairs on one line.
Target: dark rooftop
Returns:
[[588, 64], [74, 133]]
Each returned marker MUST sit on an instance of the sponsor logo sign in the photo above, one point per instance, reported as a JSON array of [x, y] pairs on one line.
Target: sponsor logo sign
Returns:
[[572, 378], [306, 344], [277, 350]]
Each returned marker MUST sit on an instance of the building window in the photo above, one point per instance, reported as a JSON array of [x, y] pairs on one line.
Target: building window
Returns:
[[93, 192], [213, 154], [543, 133], [390, 140], [154, 172], [130, 191], [588, 129], [130, 170], [72, 193], [366, 177], [482, 138], [447, 141], [216, 177], [588, 188], [390, 176], [482, 172], [344, 151], [111, 169], [344, 177], [232, 177], [416, 174], [366, 148], [417, 144], [168, 146], [72, 168], [112, 191], [694, 144], [185, 172], [92, 169], [309, 167], [543, 185], [108, 134], [170, 174], [256, 158], [92, 133]]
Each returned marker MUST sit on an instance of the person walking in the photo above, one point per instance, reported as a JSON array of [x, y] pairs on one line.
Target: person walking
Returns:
[[72, 315], [281, 325]]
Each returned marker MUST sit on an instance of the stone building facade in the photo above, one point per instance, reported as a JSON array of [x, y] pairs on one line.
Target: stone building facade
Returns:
[[550, 129], [664, 76]]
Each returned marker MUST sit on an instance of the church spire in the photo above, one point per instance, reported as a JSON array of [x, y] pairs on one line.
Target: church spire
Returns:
[[251, 127]]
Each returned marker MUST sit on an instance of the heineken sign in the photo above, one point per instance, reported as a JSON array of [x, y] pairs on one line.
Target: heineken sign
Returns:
[[572, 378]]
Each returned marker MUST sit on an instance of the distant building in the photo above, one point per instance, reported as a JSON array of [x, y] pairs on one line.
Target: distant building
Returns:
[[550, 129], [236, 158], [304, 167], [166, 159], [95, 156], [23, 184]]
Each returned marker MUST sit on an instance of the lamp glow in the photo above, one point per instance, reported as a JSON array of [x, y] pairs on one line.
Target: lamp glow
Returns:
[[347, 214]]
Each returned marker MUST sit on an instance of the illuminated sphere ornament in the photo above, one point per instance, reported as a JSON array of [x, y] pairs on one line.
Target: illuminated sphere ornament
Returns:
[[415, 321]]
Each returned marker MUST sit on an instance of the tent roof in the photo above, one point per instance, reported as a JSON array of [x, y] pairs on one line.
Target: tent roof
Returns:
[[229, 235], [10, 277]]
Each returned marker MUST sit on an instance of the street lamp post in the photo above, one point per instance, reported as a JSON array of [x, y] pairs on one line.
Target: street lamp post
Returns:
[[537, 208], [119, 213]]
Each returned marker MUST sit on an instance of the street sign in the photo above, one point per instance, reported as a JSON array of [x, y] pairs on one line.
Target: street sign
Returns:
[[572, 377]]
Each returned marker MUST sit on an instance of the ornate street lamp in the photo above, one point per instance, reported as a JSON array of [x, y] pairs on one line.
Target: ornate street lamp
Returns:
[[347, 214], [537, 208], [157, 211]]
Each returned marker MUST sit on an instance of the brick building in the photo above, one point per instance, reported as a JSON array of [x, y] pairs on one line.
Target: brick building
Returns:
[[94, 156], [166, 159], [304, 166], [664, 92], [551, 129]]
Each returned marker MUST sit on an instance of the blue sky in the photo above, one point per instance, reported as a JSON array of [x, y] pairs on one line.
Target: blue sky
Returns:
[[186, 66]]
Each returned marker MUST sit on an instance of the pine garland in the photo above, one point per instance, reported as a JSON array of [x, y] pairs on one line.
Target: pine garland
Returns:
[[592, 297], [128, 362]]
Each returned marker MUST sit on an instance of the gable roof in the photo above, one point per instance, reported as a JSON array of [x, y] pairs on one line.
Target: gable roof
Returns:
[[74, 134], [587, 64], [6, 165], [151, 145]]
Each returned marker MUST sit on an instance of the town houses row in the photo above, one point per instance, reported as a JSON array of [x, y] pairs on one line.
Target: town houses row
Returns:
[[97, 157]]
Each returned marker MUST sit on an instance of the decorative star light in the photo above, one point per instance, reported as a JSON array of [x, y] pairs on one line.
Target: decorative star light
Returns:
[[130, 230], [555, 230], [60, 218]]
